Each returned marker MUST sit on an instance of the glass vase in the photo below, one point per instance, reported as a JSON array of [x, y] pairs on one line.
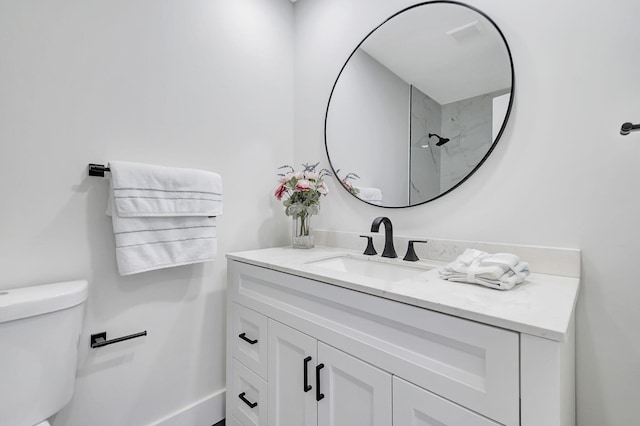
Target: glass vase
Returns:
[[301, 234]]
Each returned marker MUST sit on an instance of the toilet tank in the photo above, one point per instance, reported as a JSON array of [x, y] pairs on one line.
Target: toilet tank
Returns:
[[39, 335]]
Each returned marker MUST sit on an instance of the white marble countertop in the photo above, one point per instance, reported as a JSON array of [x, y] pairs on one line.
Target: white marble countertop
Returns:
[[541, 306]]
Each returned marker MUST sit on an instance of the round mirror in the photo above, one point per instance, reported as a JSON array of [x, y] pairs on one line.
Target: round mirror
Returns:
[[419, 104]]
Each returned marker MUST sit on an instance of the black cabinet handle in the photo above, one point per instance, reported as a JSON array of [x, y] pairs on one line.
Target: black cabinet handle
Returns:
[[244, 337], [246, 401], [307, 386], [319, 395]]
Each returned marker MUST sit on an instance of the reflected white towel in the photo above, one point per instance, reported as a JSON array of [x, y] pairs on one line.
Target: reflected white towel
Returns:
[[371, 195], [160, 219], [500, 270]]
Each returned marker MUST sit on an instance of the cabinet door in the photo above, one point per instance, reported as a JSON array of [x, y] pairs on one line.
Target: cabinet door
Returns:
[[418, 407], [354, 393], [292, 358]]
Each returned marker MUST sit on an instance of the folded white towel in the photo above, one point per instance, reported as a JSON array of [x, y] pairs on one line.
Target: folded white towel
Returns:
[[145, 190], [371, 195], [500, 270], [159, 221]]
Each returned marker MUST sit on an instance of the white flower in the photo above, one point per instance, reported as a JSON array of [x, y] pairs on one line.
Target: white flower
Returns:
[[285, 178]]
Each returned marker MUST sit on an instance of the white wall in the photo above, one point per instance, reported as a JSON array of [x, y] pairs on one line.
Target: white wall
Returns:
[[368, 120], [194, 83], [561, 175]]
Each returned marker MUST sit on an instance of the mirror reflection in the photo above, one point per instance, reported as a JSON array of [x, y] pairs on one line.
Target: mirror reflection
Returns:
[[419, 104]]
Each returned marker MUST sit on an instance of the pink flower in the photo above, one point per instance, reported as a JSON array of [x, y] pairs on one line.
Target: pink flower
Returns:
[[323, 189], [285, 178], [280, 191], [303, 185]]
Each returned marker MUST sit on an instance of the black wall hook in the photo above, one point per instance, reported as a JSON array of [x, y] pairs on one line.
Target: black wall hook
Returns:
[[627, 128]]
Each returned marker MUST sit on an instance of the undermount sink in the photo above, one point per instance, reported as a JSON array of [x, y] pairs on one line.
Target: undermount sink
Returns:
[[371, 267]]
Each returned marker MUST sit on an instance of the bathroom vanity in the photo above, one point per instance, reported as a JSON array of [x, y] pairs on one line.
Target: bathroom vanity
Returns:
[[328, 336]]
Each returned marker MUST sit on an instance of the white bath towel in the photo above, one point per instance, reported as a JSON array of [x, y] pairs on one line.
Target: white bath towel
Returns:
[[370, 195], [145, 190], [500, 270], [163, 217]]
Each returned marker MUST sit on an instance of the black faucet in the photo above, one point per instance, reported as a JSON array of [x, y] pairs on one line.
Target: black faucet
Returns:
[[388, 251]]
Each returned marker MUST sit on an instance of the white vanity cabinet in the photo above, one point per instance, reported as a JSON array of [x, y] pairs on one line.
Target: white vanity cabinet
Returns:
[[304, 352]]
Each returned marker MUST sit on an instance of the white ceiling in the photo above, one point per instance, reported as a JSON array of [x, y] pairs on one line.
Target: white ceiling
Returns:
[[469, 61]]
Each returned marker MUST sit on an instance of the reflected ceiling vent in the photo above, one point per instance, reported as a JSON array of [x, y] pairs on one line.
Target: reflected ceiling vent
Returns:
[[465, 32]]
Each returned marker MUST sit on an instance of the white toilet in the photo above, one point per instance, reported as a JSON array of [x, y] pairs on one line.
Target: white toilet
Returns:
[[39, 337]]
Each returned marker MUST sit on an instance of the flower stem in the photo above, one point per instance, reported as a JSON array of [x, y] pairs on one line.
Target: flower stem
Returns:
[[303, 229]]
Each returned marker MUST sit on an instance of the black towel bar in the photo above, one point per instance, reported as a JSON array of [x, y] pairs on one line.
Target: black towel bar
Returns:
[[99, 340], [98, 170]]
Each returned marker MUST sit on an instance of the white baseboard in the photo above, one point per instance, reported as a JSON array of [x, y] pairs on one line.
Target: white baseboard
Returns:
[[205, 412]]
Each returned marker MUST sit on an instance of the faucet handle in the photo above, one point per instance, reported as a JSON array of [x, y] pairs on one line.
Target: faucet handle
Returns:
[[370, 250], [411, 255]]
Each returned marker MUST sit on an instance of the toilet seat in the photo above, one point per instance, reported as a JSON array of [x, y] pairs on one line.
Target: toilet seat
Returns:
[[45, 423]]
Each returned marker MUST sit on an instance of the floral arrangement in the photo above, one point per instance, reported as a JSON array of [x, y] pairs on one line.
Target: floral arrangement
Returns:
[[301, 191]]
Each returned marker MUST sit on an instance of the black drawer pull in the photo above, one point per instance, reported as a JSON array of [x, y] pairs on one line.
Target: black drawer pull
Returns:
[[307, 386], [319, 395], [246, 401], [244, 337]]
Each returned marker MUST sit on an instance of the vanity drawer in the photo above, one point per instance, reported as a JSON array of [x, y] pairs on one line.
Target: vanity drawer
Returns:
[[472, 364], [249, 338], [248, 395]]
